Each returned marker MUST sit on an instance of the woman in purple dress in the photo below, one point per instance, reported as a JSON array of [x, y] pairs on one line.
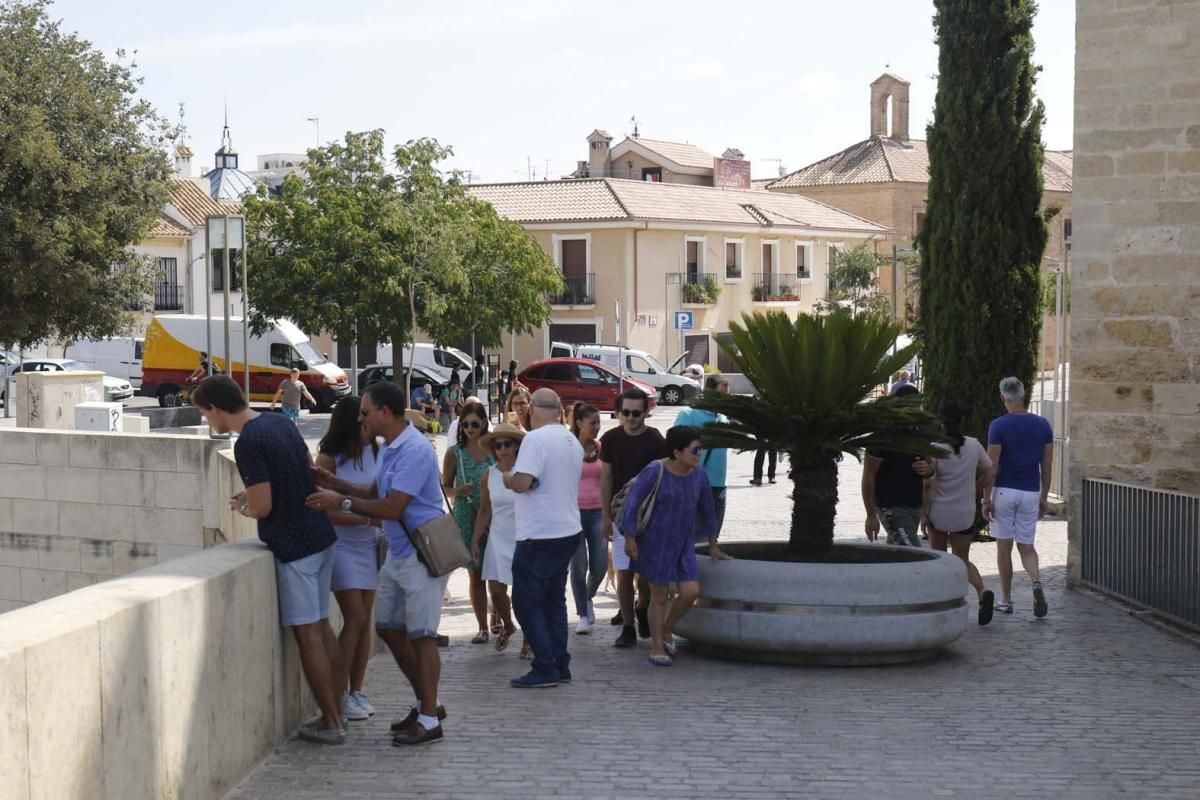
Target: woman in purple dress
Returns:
[[663, 550]]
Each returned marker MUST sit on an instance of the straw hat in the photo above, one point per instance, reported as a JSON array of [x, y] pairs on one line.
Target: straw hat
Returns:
[[504, 430]]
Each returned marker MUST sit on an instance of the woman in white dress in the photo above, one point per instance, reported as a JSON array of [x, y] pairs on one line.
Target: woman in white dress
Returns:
[[496, 520]]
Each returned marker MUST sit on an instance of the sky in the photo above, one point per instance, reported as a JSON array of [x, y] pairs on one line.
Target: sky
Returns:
[[516, 87]]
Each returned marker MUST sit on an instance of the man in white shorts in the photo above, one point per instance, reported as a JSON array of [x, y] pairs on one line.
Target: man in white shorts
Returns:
[[1022, 446], [405, 496]]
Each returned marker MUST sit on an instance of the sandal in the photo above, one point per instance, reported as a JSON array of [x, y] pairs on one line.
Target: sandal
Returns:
[[480, 638], [502, 639], [1003, 608], [660, 660], [527, 652], [497, 628], [669, 646]]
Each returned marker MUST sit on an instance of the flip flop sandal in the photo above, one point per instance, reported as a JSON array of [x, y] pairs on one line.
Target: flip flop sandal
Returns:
[[527, 652], [986, 606], [1004, 608], [1039, 602], [480, 638], [497, 626], [502, 639], [670, 647], [661, 660]]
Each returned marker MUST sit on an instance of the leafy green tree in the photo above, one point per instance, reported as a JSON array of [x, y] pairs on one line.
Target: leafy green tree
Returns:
[[812, 378], [854, 284], [84, 174], [983, 235]]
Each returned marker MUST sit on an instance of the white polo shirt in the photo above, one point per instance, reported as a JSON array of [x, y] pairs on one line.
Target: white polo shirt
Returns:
[[550, 510]]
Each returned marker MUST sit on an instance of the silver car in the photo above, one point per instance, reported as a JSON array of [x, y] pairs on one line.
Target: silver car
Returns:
[[116, 390]]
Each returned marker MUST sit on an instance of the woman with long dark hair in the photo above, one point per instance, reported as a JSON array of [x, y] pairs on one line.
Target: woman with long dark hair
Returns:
[[951, 490], [348, 451], [590, 563], [463, 470]]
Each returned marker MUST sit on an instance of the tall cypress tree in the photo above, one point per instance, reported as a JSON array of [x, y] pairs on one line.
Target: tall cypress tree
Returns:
[[983, 236]]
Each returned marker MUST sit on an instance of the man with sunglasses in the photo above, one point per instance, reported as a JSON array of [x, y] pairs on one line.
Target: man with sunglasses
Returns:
[[545, 479], [624, 451], [405, 496]]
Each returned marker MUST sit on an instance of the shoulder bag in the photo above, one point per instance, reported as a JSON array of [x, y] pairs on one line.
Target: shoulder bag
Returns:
[[645, 508], [439, 544]]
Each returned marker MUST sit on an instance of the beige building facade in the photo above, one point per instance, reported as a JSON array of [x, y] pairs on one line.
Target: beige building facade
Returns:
[[657, 249]]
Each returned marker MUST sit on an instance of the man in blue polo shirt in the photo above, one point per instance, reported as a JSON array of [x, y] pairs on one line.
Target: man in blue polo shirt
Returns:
[[405, 495]]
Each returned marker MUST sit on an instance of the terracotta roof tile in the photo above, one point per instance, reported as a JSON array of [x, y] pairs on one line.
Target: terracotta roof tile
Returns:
[[195, 204], [682, 153], [166, 228], [884, 160], [612, 199]]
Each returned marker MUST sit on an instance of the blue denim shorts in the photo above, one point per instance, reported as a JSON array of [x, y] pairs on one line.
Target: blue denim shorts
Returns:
[[304, 586]]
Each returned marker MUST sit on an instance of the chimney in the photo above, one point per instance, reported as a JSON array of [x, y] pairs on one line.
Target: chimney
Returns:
[[183, 161], [598, 147], [888, 86]]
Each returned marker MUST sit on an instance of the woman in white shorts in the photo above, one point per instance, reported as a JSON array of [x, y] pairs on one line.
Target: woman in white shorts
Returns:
[[951, 489], [1022, 447], [496, 521], [349, 452]]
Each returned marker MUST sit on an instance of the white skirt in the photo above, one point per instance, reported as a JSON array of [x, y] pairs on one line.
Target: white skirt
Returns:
[[498, 557]]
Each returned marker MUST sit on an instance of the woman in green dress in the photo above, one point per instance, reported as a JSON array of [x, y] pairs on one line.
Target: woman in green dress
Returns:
[[463, 470]]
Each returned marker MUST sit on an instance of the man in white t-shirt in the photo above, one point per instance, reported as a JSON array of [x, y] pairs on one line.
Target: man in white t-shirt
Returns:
[[546, 480]]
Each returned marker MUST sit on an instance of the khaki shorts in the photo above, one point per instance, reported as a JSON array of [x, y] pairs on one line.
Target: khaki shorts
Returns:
[[409, 600]]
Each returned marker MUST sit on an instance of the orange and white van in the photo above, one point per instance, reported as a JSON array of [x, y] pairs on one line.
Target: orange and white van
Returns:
[[174, 343]]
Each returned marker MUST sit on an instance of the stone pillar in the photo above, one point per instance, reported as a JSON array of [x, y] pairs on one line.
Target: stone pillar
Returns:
[[1135, 336]]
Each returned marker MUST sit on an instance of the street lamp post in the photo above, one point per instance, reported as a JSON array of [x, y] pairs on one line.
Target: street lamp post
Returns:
[[226, 233]]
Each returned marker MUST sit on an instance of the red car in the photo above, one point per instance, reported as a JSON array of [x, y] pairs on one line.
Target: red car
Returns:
[[577, 379]]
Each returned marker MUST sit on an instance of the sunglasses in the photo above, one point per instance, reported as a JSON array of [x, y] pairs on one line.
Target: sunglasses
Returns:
[[503, 444], [694, 450], [632, 412], [472, 424]]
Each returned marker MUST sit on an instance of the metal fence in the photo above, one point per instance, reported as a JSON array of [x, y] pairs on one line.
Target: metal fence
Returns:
[[577, 291], [1143, 545]]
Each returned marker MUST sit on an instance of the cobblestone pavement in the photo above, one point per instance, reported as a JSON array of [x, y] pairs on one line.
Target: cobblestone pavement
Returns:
[[1087, 703]]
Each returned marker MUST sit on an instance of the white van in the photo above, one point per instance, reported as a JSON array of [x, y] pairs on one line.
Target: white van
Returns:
[[174, 343], [119, 356], [428, 355], [672, 389]]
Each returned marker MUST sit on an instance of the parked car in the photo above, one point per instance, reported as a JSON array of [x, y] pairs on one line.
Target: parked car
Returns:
[[673, 389], [420, 375], [581, 379], [115, 389], [119, 356], [438, 358]]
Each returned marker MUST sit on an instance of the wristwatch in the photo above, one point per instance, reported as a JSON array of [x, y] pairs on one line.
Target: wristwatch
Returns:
[[346, 503]]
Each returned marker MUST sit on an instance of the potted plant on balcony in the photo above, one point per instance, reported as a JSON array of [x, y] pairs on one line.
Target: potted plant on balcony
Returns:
[[809, 599], [760, 293]]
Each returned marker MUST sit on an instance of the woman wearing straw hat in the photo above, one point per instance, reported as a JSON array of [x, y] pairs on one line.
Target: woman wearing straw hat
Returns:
[[496, 520]]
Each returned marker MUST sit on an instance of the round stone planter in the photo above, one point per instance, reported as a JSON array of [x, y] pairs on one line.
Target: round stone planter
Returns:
[[850, 613]]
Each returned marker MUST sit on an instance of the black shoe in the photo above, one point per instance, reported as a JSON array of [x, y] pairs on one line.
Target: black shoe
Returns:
[[643, 622], [756, 482], [411, 720], [770, 480], [417, 735], [564, 675], [1039, 601], [986, 606], [617, 620], [628, 637]]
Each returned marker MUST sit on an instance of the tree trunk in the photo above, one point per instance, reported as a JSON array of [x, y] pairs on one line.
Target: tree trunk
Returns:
[[814, 504], [398, 336]]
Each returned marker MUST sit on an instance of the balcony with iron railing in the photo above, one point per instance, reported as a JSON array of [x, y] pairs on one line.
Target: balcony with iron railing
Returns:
[[577, 291], [696, 288], [776, 287], [168, 297]]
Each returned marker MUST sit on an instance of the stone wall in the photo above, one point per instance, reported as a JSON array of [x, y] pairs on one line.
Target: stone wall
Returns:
[[77, 508], [171, 683], [1135, 336]]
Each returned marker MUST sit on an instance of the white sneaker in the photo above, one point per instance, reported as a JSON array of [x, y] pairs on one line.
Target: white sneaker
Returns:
[[584, 627], [363, 703], [591, 615], [351, 710]]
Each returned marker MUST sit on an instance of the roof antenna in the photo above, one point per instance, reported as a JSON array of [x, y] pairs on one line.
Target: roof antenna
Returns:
[[634, 120]]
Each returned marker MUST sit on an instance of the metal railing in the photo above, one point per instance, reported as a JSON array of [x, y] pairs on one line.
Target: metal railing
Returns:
[[1143, 545], [775, 286], [168, 297], [697, 287], [576, 292]]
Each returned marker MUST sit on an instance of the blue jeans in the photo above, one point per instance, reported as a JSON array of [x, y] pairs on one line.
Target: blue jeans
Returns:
[[539, 598], [590, 563]]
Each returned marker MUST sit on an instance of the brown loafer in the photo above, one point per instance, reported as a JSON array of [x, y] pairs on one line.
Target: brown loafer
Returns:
[[417, 735], [411, 720]]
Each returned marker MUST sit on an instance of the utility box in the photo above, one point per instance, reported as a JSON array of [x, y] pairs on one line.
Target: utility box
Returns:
[[48, 399], [101, 417]]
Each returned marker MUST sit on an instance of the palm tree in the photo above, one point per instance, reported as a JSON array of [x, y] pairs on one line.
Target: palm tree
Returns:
[[814, 378]]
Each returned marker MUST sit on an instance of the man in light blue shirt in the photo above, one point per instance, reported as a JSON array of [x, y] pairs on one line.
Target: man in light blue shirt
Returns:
[[713, 461], [406, 495]]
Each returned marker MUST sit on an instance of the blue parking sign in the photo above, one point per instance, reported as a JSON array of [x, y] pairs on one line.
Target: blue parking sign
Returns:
[[684, 320]]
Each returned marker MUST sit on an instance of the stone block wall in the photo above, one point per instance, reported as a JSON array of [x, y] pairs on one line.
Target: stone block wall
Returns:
[[1135, 333], [78, 508]]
